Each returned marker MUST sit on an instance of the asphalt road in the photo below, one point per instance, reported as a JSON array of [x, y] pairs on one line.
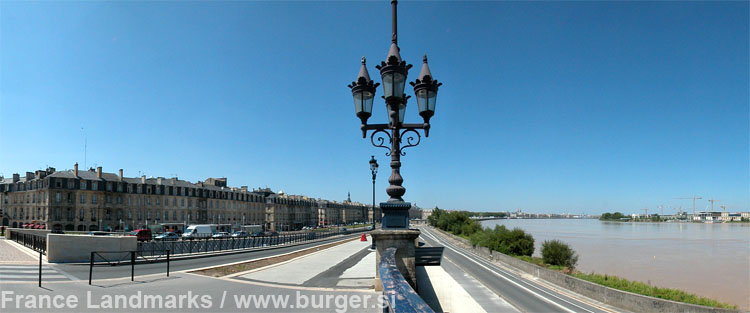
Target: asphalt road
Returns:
[[81, 271], [526, 295]]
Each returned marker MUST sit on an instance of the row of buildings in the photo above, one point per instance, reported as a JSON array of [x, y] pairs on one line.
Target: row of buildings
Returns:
[[88, 200], [702, 216]]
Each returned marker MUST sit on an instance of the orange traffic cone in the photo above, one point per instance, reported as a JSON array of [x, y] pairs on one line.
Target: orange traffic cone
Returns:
[[364, 238]]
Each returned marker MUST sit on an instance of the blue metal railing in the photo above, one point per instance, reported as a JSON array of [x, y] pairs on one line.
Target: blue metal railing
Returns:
[[399, 295]]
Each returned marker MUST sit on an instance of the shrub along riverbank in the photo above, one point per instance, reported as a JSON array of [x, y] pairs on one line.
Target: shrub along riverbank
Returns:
[[556, 255]]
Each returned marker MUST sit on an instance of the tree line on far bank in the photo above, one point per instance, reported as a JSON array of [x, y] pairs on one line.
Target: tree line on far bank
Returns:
[[514, 242]]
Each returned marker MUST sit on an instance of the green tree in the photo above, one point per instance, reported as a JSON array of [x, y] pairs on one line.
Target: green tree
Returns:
[[555, 252]]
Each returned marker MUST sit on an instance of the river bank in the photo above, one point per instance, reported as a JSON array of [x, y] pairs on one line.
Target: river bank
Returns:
[[711, 260]]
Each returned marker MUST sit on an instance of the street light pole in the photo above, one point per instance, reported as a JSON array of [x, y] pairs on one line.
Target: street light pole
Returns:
[[374, 170], [393, 72]]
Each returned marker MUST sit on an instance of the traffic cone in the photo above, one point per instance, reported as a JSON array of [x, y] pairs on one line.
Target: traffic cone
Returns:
[[364, 238]]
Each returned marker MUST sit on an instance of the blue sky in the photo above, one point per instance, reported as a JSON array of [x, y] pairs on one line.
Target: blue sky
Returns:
[[546, 106]]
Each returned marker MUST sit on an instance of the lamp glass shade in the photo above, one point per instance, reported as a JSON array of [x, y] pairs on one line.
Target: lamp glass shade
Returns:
[[393, 84], [363, 101], [401, 112], [426, 100]]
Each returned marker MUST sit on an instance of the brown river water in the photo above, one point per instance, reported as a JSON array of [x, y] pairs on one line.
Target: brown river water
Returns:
[[711, 260]]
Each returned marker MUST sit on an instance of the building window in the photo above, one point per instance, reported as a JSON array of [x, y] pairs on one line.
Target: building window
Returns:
[[119, 200], [93, 199], [109, 186], [108, 214], [130, 201], [108, 199], [83, 184], [93, 215], [130, 188], [58, 197], [80, 215], [140, 215], [148, 201], [174, 215], [130, 215], [70, 214], [148, 215], [94, 185], [119, 187], [70, 197], [71, 184], [83, 198], [158, 202], [182, 201]]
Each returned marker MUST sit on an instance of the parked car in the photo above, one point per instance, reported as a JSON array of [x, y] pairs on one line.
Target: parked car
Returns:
[[239, 234], [221, 235], [142, 234], [167, 236], [198, 231], [57, 231], [98, 233], [370, 228], [272, 233], [257, 234]]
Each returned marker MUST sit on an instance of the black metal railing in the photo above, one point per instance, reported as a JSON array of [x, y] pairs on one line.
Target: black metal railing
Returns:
[[399, 296], [37, 242], [114, 258], [206, 245]]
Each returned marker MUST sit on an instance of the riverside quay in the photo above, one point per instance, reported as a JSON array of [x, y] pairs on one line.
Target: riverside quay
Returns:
[[91, 200]]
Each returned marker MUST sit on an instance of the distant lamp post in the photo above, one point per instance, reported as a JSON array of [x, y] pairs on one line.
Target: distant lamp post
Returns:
[[374, 169], [393, 72]]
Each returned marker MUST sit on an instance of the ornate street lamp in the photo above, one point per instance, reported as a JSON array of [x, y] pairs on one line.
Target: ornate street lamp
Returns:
[[393, 72], [374, 169]]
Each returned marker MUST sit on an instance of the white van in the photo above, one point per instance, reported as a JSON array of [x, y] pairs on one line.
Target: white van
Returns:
[[198, 231]]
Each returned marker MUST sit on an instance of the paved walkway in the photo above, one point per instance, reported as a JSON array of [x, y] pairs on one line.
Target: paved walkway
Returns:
[[350, 265], [11, 253]]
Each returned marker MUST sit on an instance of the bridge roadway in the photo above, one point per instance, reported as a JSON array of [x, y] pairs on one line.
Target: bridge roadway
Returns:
[[524, 294], [81, 271]]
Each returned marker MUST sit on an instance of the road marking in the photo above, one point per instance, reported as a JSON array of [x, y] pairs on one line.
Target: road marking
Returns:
[[511, 281]]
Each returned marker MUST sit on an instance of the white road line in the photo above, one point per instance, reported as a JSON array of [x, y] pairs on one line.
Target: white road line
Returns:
[[511, 281], [30, 275], [44, 270]]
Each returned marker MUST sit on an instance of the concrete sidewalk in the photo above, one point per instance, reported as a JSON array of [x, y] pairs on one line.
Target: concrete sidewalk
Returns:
[[348, 265], [11, 253]]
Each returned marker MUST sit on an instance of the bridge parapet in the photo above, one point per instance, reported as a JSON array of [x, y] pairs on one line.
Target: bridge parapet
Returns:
[[400, 296]]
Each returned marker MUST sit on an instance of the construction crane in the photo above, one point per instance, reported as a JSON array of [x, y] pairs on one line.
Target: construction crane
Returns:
[[694, 198], [712, 200]]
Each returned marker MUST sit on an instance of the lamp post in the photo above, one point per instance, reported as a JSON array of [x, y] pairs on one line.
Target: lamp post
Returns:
[[374, 169], [393, 73]]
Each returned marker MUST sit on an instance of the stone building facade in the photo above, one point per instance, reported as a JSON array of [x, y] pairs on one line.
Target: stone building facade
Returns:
[[86, 200]]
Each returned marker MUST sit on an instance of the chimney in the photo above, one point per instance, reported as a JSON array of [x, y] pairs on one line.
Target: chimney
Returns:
[[99, 172], [29, 176], [143, 179], [75, 169], [16, 177], [120, 174]]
